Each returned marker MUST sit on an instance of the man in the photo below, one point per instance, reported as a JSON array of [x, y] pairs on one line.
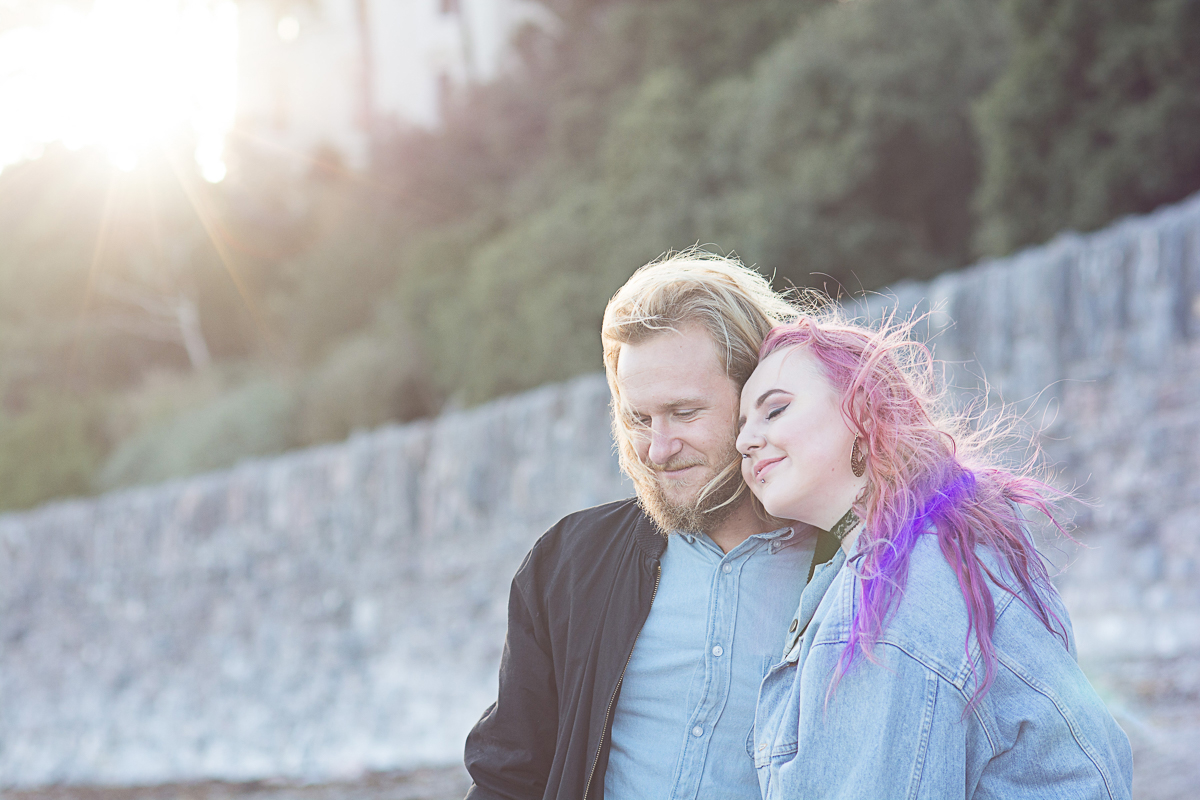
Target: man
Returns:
[[639, 631]]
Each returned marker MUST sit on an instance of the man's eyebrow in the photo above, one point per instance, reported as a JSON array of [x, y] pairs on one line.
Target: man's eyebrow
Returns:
[[687, 402], [674, 405]]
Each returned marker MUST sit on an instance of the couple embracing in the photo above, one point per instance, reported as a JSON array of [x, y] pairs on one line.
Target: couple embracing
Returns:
[[825, 587]]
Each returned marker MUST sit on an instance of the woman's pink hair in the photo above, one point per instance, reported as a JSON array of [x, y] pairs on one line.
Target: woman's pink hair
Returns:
[[927, 468]]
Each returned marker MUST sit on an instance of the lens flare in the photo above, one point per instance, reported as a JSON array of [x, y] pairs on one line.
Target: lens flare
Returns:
[[123, 77]]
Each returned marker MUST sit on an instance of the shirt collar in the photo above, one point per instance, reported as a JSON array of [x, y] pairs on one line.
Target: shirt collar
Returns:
[[776, 539]]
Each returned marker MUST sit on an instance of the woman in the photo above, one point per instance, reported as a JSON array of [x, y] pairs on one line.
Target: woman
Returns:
[[931, 657]]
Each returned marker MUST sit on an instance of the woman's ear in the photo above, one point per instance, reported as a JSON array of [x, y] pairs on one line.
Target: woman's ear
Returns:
[[861, 417]]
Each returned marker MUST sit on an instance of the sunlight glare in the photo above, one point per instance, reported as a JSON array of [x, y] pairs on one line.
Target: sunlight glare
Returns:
[[288, 28], [126, 76]]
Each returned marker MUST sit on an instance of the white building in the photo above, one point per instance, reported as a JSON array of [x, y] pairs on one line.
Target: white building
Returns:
[[318, 73]]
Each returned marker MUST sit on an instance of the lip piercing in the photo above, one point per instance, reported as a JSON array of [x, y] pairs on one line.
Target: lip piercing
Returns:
[[762, 480]]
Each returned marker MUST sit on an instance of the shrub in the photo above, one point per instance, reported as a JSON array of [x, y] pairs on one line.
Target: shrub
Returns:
[[256, 419], [50, 450]]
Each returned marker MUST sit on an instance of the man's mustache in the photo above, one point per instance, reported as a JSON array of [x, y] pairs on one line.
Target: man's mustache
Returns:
[[681, 463]]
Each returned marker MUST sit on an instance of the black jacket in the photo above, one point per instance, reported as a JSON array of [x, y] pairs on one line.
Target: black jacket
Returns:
[[576, 607]]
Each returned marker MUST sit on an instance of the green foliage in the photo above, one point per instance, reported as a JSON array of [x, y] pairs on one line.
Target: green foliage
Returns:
[[837, 144], [256, 418], [842, 151], [1098, 115], [858, 159], [164, 395], [92, 261], [330, 291], [365, 381], [51, 449]]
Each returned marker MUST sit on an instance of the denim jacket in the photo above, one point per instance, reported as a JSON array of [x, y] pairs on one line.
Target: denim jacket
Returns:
[[894, 727]]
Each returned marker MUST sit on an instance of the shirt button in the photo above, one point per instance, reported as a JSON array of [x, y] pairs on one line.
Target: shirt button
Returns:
[[762, 746], [795, 624], [697, 731], [717, 651], [728, 568]]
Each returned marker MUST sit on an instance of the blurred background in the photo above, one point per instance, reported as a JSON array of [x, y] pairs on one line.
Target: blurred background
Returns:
[[230, 229], [234, 229]]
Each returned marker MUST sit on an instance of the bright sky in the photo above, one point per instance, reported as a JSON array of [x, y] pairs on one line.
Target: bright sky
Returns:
[[124, 76]]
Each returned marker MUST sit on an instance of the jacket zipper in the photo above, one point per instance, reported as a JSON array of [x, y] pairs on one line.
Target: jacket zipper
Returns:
[[587, 787]]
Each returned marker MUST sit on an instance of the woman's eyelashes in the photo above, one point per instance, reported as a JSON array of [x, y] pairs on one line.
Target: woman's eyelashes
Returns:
[[776, 411]]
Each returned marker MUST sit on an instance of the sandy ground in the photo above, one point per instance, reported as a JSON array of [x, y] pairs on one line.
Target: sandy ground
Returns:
[[1165, 739], [1166, 767], [1166, 752], [424, 784]]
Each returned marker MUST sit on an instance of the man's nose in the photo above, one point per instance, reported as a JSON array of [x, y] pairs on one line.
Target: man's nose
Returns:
[[663, 446]]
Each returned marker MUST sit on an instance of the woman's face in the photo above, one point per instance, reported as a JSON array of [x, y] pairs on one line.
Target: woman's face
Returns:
[[795, 442]]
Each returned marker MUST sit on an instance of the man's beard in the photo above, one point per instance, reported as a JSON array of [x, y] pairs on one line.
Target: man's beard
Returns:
[[699, 514]]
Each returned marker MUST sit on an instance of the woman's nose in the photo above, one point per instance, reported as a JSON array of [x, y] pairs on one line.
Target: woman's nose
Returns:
[[747, 440]]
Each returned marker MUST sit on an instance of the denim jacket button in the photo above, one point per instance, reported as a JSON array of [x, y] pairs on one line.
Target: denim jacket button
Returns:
[[795, 624]]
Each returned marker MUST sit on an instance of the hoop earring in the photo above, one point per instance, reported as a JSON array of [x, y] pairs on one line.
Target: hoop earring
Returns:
[[858, 459]]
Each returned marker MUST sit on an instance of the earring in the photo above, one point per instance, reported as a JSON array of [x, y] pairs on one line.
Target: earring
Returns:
[[858, 459]]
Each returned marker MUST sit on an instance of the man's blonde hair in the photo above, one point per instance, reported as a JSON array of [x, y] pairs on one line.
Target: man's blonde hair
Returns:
[[732, 302]]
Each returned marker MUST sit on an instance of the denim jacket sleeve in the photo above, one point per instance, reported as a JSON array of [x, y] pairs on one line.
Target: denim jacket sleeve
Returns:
[[895, 727]]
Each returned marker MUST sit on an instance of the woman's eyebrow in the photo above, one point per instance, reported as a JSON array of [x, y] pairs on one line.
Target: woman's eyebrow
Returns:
[[762, 398]]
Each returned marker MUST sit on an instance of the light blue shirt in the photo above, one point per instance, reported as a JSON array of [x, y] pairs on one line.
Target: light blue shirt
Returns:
[[895, 726], [682, 725]]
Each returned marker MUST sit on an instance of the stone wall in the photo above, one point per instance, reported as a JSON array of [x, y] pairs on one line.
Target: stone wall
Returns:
[[341, 609], [316, 615]]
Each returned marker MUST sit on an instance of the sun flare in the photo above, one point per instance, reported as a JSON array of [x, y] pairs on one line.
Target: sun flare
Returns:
[[123, 77]]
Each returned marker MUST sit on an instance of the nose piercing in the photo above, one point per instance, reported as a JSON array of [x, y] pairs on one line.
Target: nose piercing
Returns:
[[745, 456]]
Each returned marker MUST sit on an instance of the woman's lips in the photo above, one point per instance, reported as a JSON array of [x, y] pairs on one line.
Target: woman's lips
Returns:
[[763, 467]]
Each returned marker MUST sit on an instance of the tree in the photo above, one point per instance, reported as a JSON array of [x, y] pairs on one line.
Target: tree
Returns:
[[840, 145], [1097, 115], [856, 159]]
